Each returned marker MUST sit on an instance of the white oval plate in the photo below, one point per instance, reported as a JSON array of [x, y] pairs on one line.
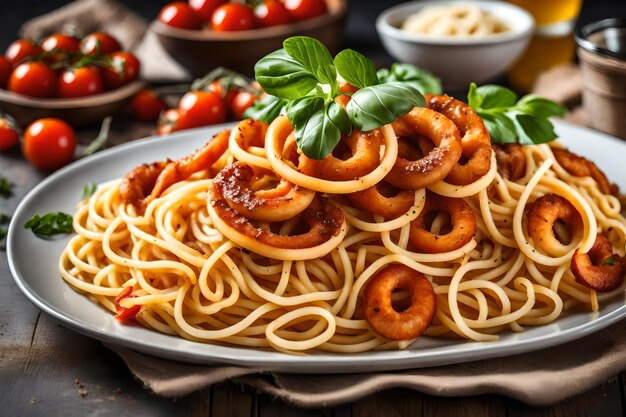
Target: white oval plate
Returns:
[[33, 262]]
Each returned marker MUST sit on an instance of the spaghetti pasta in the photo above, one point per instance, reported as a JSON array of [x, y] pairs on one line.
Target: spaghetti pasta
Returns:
[[202, 270]]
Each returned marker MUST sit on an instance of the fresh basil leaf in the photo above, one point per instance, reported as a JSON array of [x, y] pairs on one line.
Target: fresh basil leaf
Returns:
[[327, 74], [423, 81], [494, 96], [266, 109], [283, 76], [89, 190], [309, 52], [537, 130], [316, 134], [50, 224], [501, 128], [473, 99], [377, 105], [610, 261], [382, 75], [339, 116], [356, 69], [539, 106], [5, 187]]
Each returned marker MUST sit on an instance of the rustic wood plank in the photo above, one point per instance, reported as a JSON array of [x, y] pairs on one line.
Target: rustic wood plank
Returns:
[[230, 400], [605, 401], [390, 403], [483, 405], [271, 407]]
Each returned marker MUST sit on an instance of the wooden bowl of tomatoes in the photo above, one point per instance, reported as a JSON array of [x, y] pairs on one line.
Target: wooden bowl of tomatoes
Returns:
[[80, 81], [204, 34]]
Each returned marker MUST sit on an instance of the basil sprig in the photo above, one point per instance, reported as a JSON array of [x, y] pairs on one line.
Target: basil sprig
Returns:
[[422, 80], [510, 120], [50, 224], [302, 78]]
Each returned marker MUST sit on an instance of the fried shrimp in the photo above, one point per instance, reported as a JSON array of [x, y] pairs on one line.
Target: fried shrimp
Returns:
[[437, 164], [543, 216], [599, 269], [278, 203], [327, 226], [511, 160], [581, 167], [475, 141], [146, 182], [384, 200], [462, 220], [360, 158], [380, 313]]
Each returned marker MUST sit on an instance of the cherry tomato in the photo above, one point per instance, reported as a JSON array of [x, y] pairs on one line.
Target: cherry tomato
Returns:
[[80, 82], [201, 108], [124, 69], [49, 144], [99, 43], [146, 106], [170, 121], [180, 15], [60, 42], [271, 13], [205, 8], [232, 16], [33, 78], [5, 71], [219, 88], [306, 9], [20, 50], [243, 100], [8, 135]]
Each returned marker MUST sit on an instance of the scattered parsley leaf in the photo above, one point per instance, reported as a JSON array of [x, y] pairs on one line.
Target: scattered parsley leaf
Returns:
[[50, 224], [5, 187], [609, 261], [89, 190]]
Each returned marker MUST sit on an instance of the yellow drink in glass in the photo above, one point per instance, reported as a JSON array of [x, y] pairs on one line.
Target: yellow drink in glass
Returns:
[[552, 44]]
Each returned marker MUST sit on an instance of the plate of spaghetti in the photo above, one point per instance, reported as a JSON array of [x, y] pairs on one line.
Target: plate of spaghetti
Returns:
[[415, 243]]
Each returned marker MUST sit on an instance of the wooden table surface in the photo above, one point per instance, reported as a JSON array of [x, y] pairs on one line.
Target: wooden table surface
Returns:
[[49, 370]]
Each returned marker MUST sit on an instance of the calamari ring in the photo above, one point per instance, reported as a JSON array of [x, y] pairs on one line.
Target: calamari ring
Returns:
[[280, 203], [363, 156], [146, 182], [383, 199], [462, 220], [581, 167], [412, 175], [343, 99], [511, 160], [327, 228], [379, 311], [247, 143], [475, 139], [542, 216], [599, 269]]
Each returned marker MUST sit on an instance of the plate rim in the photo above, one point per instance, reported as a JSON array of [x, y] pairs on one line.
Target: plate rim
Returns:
[[324, 363]]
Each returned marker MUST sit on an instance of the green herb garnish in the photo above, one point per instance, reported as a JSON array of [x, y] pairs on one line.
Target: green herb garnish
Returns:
[[89, 190], [610, 261], [510, 120], [50, 224], [424, 81], [5, 187], [4, 219], [303, 78]]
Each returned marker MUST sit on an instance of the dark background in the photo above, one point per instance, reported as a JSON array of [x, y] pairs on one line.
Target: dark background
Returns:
[[360, 30]]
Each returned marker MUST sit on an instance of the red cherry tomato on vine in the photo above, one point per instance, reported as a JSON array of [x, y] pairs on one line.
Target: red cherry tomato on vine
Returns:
[[124, 68], [271, 13], [180, 15], [99, 43], [146, 106], [8, 135], [49, 144], [33, 79], [306, 9], [20, 50], [5, 71], [201, 108], [218, 87], [242, 101], [205, 8], [232, 16], [60, 42], [169, 121], [80, 82]]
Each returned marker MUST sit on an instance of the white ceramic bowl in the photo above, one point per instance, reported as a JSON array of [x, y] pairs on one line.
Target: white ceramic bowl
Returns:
[[457, 61]]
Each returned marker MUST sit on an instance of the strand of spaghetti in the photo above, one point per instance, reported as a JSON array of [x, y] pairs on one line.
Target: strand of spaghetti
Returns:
[[460, 191]]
